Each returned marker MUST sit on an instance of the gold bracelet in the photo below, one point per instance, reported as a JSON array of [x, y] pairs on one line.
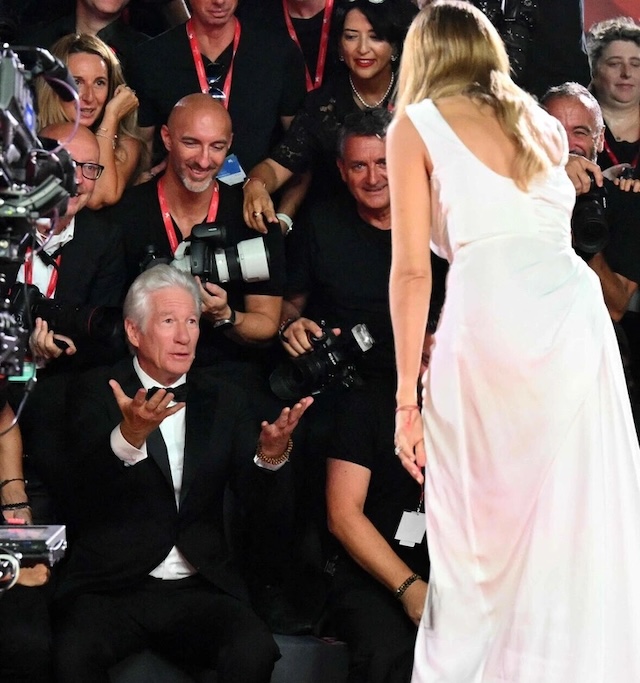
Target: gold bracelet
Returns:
[[401, 589], [281, 459], [113, 138]]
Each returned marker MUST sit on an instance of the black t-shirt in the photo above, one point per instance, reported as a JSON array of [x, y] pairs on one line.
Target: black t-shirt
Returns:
[[120, 37], [343, 264], [624, 152], [623, 216], [138, 215], [364, 436], [268, 83]]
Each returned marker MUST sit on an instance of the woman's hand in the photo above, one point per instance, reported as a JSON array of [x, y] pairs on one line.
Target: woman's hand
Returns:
[[123, 102], [409, 440]]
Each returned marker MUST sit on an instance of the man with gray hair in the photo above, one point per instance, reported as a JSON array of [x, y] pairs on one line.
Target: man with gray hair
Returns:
[[150, 565]]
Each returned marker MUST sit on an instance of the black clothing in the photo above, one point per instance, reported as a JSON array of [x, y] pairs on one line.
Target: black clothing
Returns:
[[625, 152], [268, 83], [623, 216], [138, 215], [311, 141], [127, 523], [118, 35], [343, 264], [364, 613], [270, 13]]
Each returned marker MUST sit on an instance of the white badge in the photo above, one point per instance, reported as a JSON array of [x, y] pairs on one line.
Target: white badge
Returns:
[[231, 172], [411, 529]]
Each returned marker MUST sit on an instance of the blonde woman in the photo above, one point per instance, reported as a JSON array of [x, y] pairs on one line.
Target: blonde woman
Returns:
[[526, 445], [108, 107]]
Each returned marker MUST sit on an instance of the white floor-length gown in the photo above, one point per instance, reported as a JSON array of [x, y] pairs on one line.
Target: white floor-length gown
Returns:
[[533, 467]]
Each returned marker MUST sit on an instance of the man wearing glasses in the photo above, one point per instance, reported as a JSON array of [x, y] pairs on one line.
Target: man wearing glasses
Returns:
[[77, 260]]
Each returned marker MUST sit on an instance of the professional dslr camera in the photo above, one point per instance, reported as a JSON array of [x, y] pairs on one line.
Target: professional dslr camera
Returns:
[[589, 222], [208, 254], [99, 323], [329, 364]]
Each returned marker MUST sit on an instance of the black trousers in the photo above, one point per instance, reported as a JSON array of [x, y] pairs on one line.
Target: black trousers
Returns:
[[380, 636], [25, 635], [186, 620]]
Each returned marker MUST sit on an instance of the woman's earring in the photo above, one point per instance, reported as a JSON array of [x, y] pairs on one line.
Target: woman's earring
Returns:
[[394, 57]]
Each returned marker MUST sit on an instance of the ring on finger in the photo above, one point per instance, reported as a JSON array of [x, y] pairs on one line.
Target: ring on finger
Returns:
[[397, 450], [257, 213]]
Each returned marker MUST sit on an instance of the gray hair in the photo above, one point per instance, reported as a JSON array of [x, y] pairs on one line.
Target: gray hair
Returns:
[[136, 305], [578, 92], [605, 32]]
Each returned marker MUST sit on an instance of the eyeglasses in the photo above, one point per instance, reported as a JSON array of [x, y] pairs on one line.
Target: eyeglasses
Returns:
[[89, 170], [213, 72]]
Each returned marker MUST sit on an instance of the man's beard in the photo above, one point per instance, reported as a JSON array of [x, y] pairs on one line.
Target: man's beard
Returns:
[[197, 186]]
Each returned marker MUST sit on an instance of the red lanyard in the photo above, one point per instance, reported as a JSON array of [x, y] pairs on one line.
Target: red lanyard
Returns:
[[199, 64], [166, 214], [614, 158], [28, 273], [324, 42]]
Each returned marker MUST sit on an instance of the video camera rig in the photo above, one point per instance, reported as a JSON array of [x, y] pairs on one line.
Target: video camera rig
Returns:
[[37, 178]]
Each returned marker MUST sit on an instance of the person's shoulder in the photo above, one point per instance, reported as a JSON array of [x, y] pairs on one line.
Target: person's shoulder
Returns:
[[136, 198], [551, 131]]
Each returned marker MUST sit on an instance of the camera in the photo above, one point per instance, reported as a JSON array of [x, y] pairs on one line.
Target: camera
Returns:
[[208, 255], [98, 323], [589, 222], [330, 363]]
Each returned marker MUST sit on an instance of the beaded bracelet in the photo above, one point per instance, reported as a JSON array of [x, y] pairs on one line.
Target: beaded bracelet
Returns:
[[401, 589], [284, 326], [4, 482], [113, 138], [281, 459], [15, 506]]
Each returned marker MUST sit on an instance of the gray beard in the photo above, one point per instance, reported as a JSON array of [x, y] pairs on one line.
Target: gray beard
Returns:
[[197, 186]]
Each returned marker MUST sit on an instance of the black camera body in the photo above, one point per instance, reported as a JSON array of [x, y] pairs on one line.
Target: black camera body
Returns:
[[213, 259], [80, 322], [589, 223], [329, 364]]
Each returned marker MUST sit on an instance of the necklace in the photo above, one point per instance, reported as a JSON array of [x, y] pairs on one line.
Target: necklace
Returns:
[[380, 101]]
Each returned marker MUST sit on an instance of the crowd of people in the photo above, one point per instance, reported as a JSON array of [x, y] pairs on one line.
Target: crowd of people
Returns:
[[221, 446]]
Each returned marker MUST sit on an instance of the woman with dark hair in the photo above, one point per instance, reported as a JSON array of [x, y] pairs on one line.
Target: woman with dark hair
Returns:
[[526, 445], [108, 107], [614, 56], [367, 40]]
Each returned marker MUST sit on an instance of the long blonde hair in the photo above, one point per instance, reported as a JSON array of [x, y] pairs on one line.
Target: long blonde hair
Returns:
[[50, 108], [453, 49]]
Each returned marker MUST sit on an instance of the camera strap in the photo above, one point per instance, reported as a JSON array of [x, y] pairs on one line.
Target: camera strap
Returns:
[[53, 279], [166, 214], [324, 42], [199, 63]]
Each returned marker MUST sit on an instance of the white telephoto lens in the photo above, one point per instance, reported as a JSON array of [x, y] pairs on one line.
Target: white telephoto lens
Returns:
[[254, 260]]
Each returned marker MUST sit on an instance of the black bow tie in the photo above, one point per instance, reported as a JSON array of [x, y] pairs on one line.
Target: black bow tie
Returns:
[[179, 392]]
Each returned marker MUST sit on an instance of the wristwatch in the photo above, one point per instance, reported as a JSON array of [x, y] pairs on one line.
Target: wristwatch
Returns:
[[225, 323]]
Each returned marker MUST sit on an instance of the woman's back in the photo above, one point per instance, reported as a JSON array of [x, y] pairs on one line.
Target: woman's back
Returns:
[[474, 194]]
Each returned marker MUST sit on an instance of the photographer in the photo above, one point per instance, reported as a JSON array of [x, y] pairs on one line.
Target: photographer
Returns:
[[618, 263], [78, 261], [158, 217]]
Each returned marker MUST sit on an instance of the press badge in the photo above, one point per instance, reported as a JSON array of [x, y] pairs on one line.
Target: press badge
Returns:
[[231, 172], [411, 529]]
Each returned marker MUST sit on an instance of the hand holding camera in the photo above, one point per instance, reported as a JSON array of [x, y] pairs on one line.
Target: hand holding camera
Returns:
[[297, 335]]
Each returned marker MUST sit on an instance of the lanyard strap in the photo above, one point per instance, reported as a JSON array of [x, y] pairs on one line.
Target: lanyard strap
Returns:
[[166, 214], [199, 64], [614, 158], [324, 42], [53, 279]]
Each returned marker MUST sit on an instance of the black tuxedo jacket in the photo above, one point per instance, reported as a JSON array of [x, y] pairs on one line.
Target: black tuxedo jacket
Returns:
[[127, 517], [92, 267]]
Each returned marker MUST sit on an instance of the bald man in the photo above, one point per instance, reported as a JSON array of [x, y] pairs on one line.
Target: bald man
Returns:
[[197, 137]]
